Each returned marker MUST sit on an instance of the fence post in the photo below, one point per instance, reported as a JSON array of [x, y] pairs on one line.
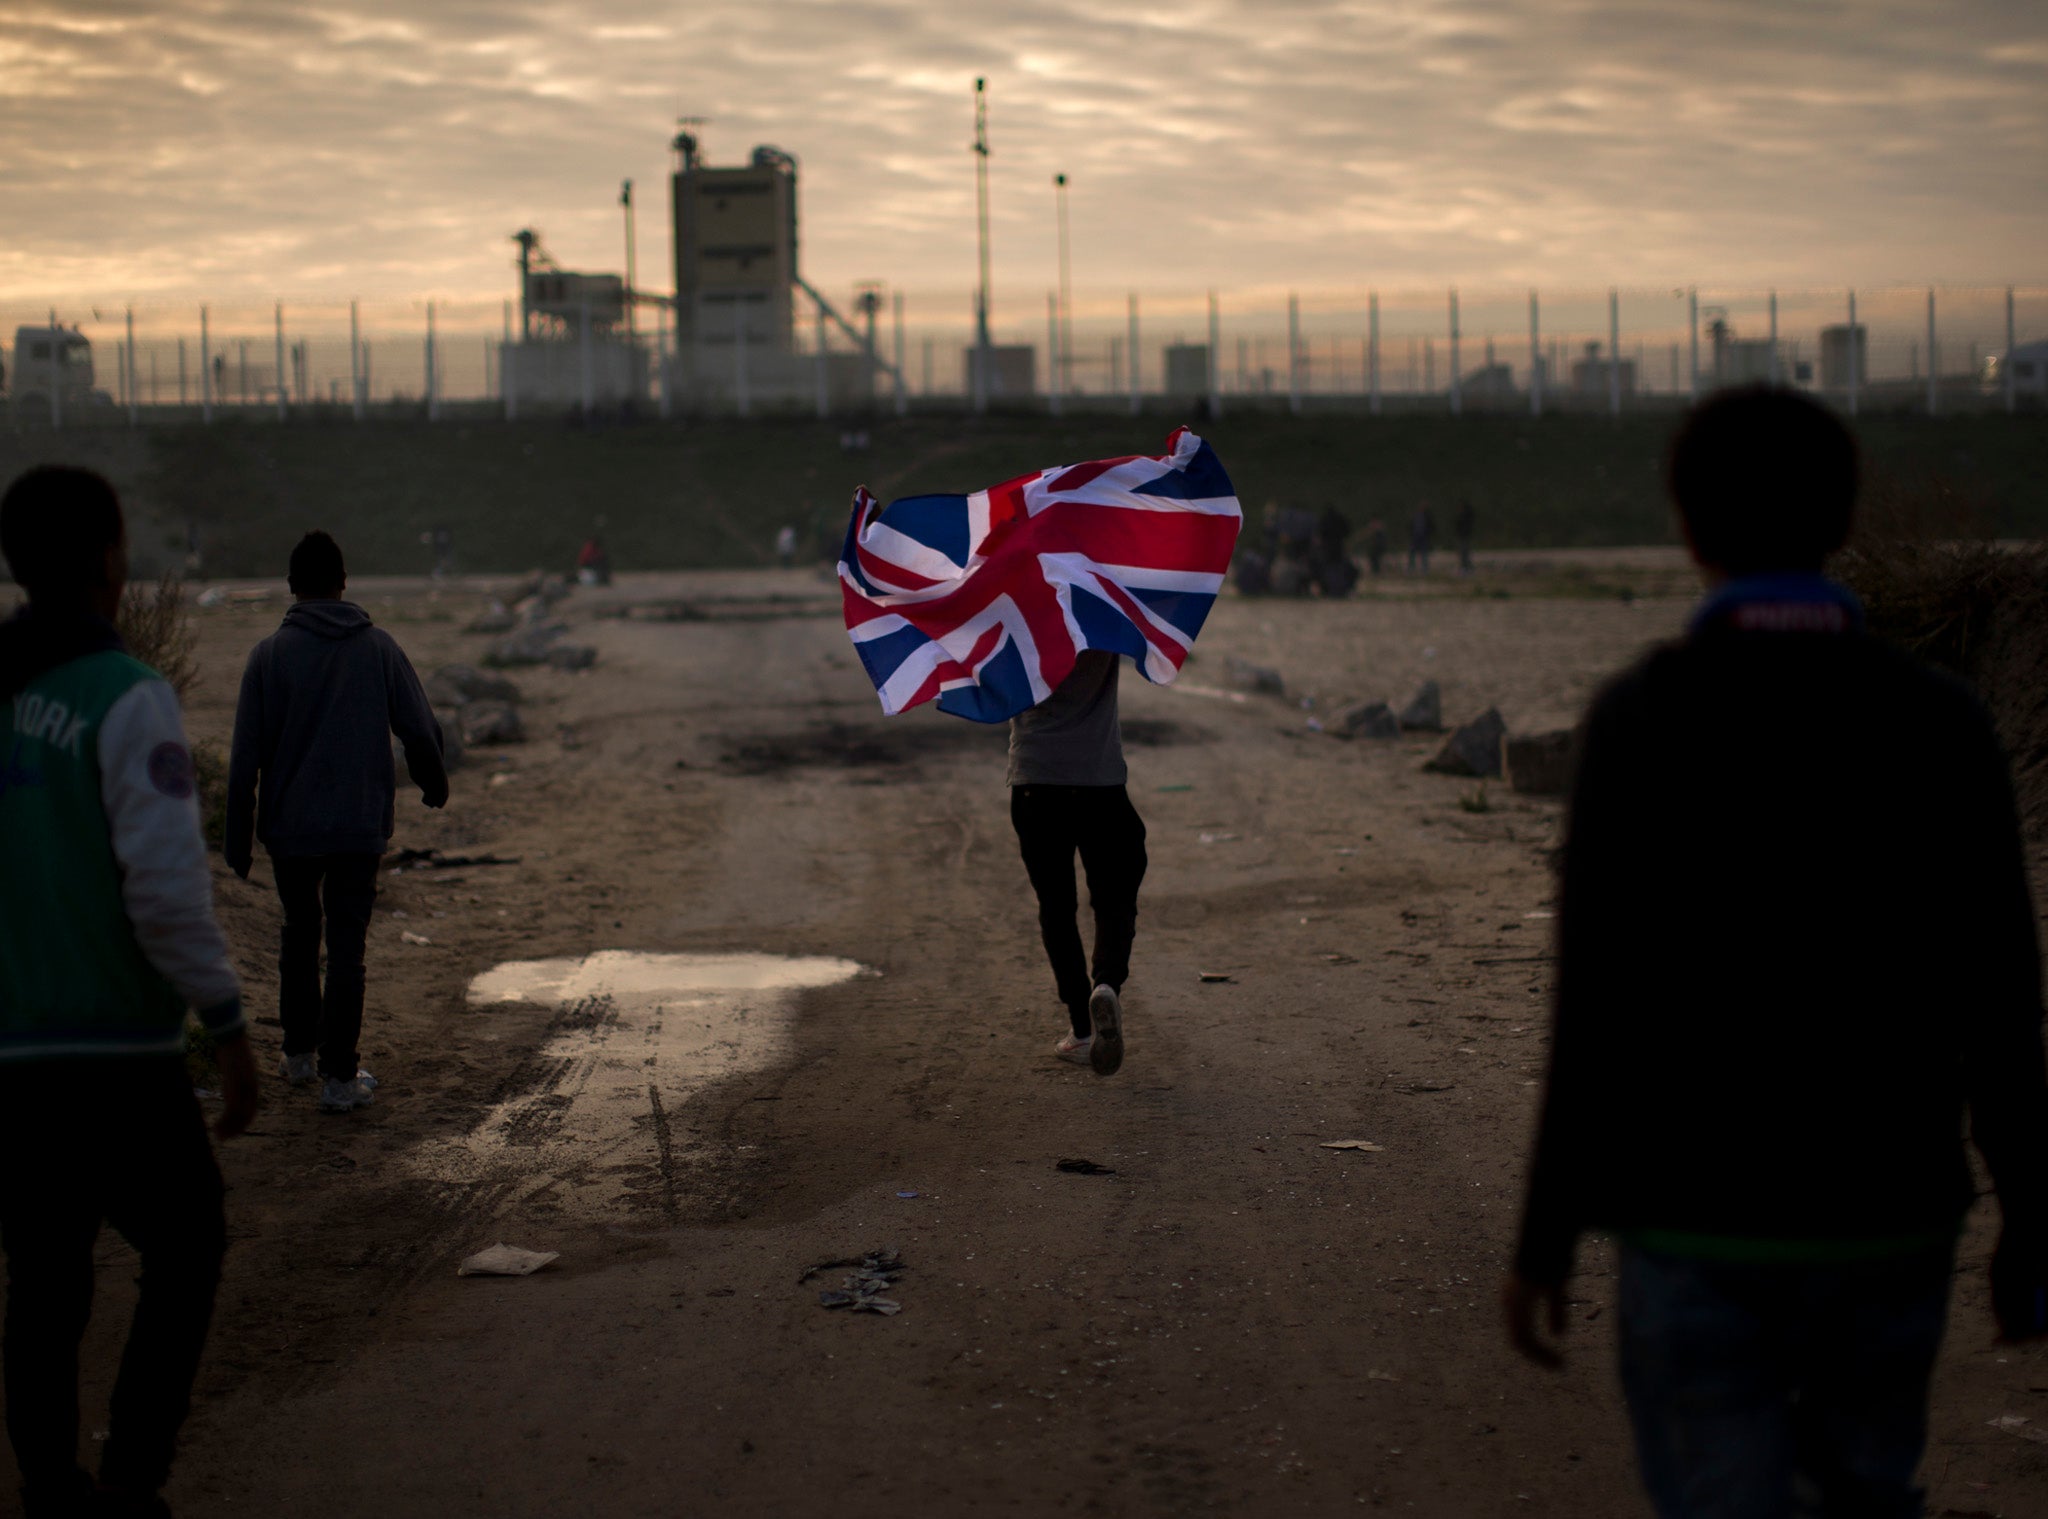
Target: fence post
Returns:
[[205, 369], [279, 332], [1294, 354], [1777, 373], [896, 322], [1372, 352], [1614, 352], [134, 399], [1132, 363], [1855, 378], [1692, 340], [1215, 358], [433, 379], [1933, 362], [508, 370], [1457, 384], [1052, 352], [2011, 342], [1535, 358], [355, 362]]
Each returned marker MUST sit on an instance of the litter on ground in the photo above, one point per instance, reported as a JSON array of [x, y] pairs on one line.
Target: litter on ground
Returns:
[[506, 1260]]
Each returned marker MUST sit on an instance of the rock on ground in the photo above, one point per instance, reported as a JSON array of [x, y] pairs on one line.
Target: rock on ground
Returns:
[[1474, 749], [1425, 710], [1541, 764], [1366, 719]]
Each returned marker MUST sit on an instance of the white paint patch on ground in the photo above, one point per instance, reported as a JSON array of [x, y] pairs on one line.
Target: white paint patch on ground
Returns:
[[594, 1116]]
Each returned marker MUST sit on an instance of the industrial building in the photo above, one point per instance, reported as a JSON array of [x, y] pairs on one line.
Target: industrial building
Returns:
[[727, 337]]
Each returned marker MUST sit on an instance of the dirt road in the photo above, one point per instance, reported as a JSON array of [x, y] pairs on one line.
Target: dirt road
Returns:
[[1231, 1317]]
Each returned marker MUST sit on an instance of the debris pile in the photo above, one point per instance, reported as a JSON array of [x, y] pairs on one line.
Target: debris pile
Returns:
[[870, 1277]]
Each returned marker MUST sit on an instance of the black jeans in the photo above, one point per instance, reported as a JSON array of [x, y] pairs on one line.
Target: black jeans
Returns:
[[331, 1023], [87, 1142], [1053, 822]]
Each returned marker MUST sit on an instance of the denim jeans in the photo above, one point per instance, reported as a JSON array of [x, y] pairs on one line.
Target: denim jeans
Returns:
[[1053, 823], [344, 886], [1767, 1391]]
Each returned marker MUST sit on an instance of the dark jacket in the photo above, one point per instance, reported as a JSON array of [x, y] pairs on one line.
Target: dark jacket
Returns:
[[311, 769], [1795, 942]]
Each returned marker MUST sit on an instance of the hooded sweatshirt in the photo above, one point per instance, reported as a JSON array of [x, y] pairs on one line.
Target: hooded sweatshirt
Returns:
[[107, 932], [311, 771]]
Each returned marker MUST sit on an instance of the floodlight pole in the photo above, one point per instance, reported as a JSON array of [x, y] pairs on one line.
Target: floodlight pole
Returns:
[[632, 258], [981, 295], [279, 334], [1855, 379], [1613, 352], [134, 401], [1535, 357]]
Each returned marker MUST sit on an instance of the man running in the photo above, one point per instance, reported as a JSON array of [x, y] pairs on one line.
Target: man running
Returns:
[[1067, 795]]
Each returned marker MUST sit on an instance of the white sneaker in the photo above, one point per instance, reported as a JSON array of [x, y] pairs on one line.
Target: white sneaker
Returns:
[[338, 1096], [299, 1069], [1072, 1049], [1106, 1014]]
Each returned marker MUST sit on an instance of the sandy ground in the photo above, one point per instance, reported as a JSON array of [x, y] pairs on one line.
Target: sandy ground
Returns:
[[1234, 1318]]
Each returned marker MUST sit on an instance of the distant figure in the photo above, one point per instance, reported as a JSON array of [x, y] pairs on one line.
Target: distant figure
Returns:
[[107, 938], [1782, 977], [442, 541], [1462, 527], [1421, 539], [1335, 573], [593, 563], [785, 546], [311, 776], [1068, 795], [1375, 544], [195, 556]]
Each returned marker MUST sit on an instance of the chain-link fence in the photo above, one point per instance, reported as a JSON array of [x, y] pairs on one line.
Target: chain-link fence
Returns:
[[1476, 351]]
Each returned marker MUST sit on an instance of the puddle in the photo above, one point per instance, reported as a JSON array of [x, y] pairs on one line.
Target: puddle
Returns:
[[630, 975], [595, 1119]]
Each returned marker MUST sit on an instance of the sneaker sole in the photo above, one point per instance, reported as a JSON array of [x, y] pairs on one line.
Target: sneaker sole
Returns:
[[1105, 1014]]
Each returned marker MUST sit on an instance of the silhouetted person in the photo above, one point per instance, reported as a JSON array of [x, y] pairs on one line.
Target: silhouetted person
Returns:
[[1376, 544], [1462, 527], [311, 776], [1421, 539], [107, 938], [1795, 942], [1068, 796], [593, 562]]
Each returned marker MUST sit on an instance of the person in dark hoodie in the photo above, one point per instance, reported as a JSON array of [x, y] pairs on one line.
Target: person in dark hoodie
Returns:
[[1794, 945], [107, 938], [310, 775]]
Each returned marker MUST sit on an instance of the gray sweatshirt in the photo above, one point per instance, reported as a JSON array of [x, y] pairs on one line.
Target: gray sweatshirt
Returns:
[[1072, 738], [311, 769]]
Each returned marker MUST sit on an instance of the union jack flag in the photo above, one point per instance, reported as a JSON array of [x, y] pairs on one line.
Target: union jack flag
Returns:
[[984, 601]]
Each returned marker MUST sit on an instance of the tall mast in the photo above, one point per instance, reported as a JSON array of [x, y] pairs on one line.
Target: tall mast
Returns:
[[981, 298]]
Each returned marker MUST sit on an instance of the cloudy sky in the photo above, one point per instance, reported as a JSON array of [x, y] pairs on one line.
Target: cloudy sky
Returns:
[[387, 148]]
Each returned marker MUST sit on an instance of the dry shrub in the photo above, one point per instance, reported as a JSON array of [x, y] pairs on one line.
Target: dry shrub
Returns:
[[152, 622], [1973, 606]]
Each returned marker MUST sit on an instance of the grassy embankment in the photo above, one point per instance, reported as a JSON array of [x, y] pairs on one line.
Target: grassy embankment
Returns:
[[714, 493]]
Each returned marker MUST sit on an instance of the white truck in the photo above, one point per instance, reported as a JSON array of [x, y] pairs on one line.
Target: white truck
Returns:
[[50, 374]]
